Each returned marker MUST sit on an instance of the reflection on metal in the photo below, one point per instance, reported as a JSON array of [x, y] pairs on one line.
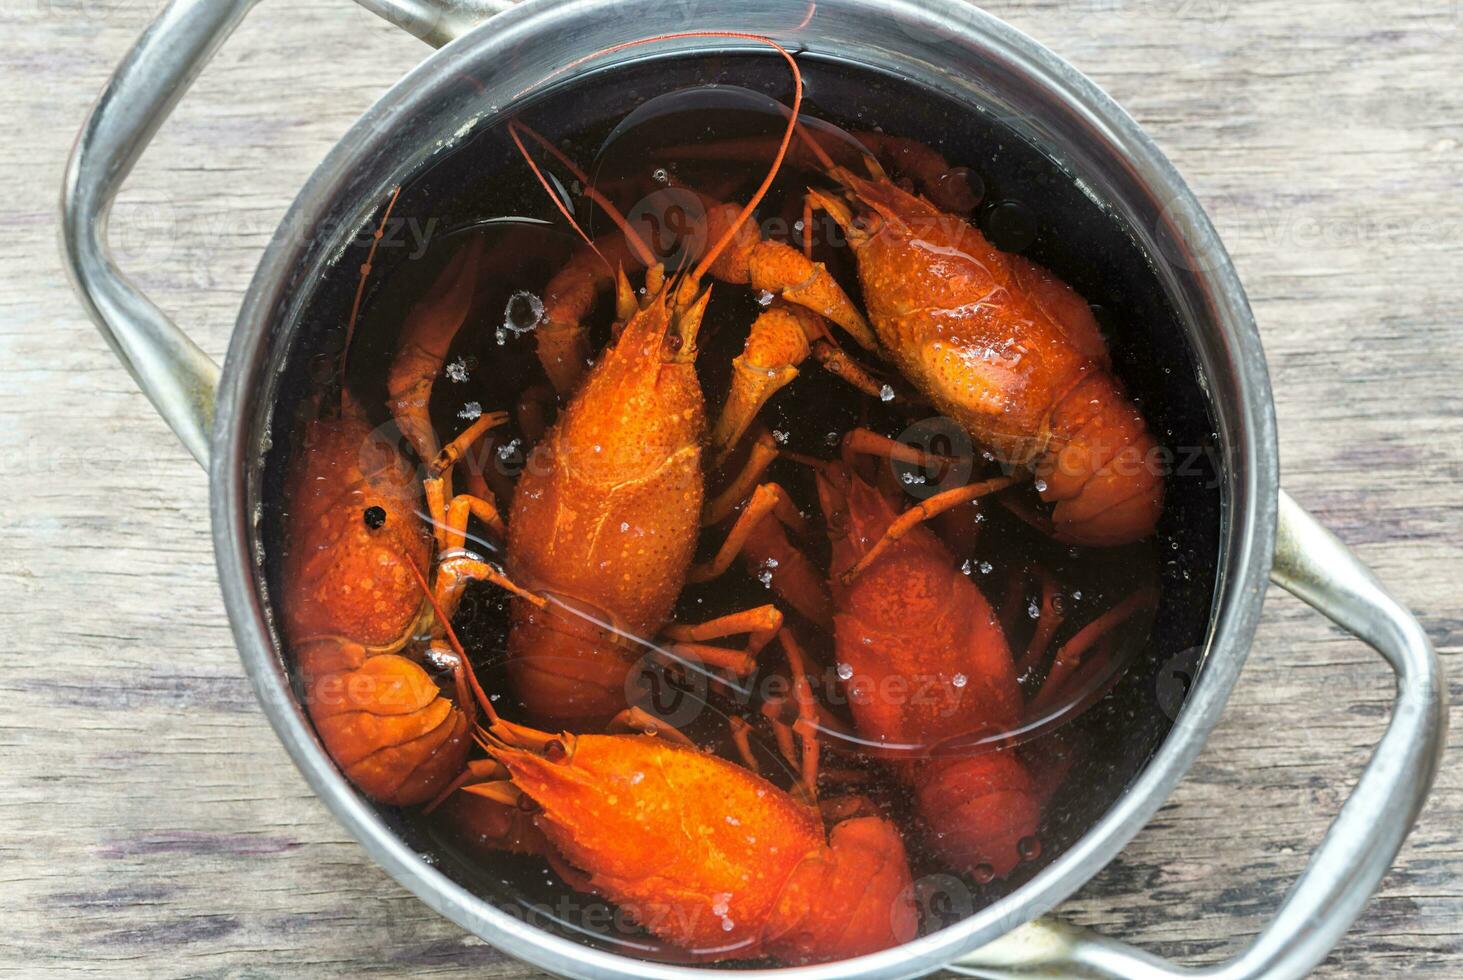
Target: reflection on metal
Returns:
[[436, 21]]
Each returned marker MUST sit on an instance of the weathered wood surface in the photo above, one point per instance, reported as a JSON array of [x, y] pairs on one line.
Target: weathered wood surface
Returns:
[[150, 824]]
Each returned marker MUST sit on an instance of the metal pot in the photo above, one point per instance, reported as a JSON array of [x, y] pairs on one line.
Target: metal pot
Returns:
[[223, 419]]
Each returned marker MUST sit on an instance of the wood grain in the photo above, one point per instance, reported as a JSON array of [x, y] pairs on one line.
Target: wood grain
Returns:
[[150, 824]]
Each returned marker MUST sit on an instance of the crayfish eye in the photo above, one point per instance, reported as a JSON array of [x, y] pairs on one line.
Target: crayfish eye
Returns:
[[374, 517], [556, 751]]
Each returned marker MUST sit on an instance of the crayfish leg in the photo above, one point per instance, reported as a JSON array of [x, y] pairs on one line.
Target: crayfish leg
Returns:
[[923, 511], [769, 500], [779, 340], [430, 328], [1070, 654], [760, 624], [761, 453], [463, 441], [741, 736]]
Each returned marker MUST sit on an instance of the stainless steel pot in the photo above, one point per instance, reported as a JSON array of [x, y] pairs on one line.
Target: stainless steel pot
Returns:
[[223, 418]]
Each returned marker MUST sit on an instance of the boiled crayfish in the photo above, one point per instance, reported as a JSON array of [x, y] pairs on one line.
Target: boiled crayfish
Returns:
[[923, 657], [1001, 346], [357, 609], [702, 852], [603, 524]]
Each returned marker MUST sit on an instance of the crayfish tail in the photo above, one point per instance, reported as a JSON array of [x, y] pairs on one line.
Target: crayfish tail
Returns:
[[854, 897], [1101, 466], [979, 810]]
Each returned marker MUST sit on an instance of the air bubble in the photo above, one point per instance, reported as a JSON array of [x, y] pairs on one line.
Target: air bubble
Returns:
[[886, 394], [1011, 226], [845, 671], [523, 312]]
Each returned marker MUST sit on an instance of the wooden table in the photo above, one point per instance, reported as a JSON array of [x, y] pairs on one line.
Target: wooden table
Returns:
[[151, 824]]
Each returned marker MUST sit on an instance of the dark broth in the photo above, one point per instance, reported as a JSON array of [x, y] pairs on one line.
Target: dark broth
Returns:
[[621, 127]]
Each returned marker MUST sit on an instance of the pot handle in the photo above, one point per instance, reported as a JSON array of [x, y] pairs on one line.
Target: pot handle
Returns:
[[178, 377], [1362, 841]]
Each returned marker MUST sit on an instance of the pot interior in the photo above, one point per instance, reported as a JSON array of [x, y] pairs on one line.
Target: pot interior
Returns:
[[1081, 211]]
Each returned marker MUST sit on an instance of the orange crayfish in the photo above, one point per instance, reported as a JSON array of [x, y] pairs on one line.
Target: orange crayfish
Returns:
[[603, 524], [700, 851], [1004, 348], [923, 656], [353, 606]]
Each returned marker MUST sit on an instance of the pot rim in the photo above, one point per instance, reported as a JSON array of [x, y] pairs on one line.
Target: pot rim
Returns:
[[1248, 532]]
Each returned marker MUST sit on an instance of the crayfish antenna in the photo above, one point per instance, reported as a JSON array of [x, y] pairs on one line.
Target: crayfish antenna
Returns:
[[515, 127], [350, 325], [837, 171], [728, 236], [463, 671]]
